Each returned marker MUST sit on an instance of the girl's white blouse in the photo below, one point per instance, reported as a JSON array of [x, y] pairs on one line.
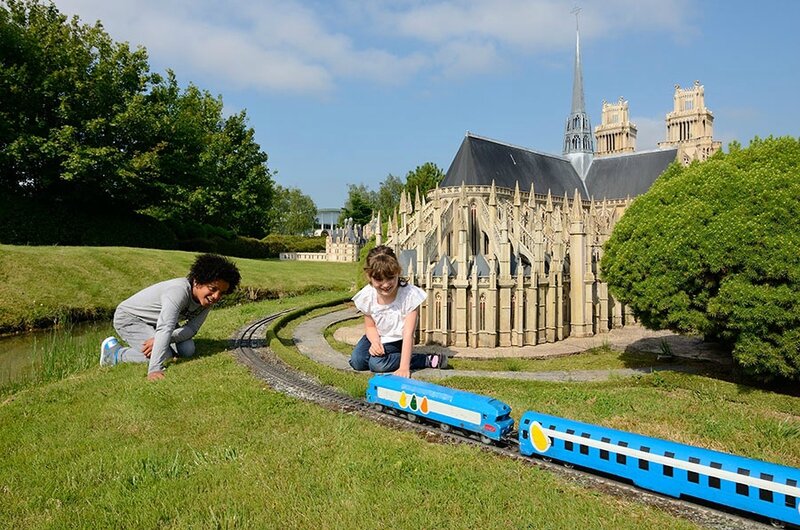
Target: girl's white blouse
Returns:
[[389, 318]]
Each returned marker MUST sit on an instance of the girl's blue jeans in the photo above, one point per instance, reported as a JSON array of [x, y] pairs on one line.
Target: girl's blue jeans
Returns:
[[361, 360]]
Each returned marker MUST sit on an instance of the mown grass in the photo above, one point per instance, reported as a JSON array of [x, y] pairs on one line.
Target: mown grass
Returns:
[[211, 447], [42, 286]]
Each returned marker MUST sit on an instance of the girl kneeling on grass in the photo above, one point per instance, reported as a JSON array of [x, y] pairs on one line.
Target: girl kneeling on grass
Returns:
[[150, 320], [389, 304]]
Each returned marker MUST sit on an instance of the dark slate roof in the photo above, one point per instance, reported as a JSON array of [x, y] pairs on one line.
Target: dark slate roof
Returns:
[[408, 260], [480, 160], [444, 266], [628, 175], [482, 266]]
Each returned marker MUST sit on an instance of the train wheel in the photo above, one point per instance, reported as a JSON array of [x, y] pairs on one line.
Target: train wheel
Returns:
[[486, 440], [411, 417], [444, 427], [378, 407], [777, 524]]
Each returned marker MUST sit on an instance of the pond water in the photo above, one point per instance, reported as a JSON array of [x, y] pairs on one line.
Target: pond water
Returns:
[[21, 355]]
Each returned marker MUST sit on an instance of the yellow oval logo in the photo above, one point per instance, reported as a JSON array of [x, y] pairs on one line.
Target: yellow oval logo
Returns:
[[541, 442]]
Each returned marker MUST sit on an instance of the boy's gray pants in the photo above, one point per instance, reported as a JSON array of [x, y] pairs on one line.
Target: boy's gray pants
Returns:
[[134, 331]]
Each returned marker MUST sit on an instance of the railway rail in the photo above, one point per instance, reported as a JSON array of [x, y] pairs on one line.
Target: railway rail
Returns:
[[250, 348]]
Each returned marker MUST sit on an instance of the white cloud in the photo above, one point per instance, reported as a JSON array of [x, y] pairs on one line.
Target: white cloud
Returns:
[[290, 45]]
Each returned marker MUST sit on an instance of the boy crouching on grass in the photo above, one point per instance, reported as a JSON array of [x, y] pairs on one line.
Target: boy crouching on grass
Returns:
[[149, 320]]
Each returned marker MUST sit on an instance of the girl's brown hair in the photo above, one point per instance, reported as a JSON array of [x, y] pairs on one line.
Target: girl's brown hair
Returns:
[[382, 264]]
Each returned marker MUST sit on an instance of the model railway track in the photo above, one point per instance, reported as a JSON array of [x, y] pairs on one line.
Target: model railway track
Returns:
[[250, 348]]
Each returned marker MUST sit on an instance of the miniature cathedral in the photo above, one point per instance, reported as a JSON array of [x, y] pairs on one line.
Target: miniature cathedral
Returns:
[[508, 246]]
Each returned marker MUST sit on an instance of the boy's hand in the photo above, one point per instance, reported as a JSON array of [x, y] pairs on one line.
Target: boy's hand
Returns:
[[403, 372], [147, 347], [155, 376]]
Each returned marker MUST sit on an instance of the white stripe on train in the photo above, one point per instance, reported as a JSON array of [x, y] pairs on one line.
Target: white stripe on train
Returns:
[[438, 407], [701, 469]]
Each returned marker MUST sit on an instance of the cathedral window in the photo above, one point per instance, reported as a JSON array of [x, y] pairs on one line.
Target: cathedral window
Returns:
[[438, 311], [482, 313]]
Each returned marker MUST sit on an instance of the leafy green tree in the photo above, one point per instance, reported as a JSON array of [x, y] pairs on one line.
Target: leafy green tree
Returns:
[[63, 86], [360, 205], [713, 248], [292, 212], [424, 178], [84, 122], [388, 196]]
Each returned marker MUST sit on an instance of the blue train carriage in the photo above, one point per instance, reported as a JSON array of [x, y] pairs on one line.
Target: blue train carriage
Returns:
[[450, 408], [671, 468]]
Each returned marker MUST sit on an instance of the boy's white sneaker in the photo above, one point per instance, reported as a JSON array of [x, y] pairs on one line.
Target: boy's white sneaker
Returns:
[[109, 351]]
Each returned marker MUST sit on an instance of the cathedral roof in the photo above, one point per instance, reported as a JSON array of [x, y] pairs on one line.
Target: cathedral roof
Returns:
[[480, 161], [627, 175]]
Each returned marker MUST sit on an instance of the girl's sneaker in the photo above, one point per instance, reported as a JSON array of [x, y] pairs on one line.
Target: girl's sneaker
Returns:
[[109, 351], [437, 360]]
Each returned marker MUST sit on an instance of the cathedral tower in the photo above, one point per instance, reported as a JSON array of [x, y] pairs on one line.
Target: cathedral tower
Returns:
[[690, 125], [615, 134], [578, 143]]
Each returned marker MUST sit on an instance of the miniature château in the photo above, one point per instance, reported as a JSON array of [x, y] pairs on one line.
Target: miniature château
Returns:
[[342, 243], [508, 246]]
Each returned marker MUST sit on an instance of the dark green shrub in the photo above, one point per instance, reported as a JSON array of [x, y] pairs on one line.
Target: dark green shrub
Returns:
[[285, 243], [714, 248], [25, 221]]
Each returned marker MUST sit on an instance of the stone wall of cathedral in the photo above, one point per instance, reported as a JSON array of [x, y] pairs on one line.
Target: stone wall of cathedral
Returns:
[[505, 268]]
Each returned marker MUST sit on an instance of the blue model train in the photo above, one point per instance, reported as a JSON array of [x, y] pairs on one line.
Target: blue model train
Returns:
[[487, 417], [678, 470]]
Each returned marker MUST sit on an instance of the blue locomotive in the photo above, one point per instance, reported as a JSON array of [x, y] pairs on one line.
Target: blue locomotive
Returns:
[[674, 469], [487, 417]]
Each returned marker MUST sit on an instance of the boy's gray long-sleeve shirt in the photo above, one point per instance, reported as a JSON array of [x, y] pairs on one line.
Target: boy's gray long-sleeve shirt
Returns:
[[162, 306]]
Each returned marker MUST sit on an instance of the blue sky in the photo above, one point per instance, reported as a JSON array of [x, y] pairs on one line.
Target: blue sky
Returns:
[[349, 91]]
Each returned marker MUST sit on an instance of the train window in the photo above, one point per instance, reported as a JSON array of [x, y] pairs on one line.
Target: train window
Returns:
[[604, 452], [584, 448], [644, 464], [742, 489], [713, 482], [527, 421], [525, 434], [667, 470], [621, 458], [568, 444], [765, 495], [693, 476], [790, 500]]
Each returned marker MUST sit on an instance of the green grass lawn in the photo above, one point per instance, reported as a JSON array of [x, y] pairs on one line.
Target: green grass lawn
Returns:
[[212, 447], [40, 285]]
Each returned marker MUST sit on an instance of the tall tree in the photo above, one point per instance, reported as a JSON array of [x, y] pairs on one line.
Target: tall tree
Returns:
[[360, 205], [292, 212], [388, 196], [423, 179]]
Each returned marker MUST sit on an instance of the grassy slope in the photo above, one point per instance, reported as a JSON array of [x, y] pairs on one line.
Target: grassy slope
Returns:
[[211, 447], [41, 284]]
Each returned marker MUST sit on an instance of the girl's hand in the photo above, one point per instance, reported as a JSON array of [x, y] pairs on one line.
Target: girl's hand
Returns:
[[376, 349], [403, 372]]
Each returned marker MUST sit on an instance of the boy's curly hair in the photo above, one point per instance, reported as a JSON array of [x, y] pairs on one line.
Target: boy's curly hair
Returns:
[[209, 267]]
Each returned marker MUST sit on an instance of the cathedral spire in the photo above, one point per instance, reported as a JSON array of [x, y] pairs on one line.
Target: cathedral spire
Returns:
[[578, 103], [578, 141]]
